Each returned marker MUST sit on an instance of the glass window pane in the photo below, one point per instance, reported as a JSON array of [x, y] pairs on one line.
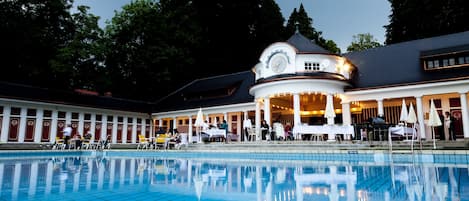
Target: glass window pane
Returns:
[[451, 62], [429, 64]]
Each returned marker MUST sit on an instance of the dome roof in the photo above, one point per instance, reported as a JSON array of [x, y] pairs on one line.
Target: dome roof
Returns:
[[305, 45]]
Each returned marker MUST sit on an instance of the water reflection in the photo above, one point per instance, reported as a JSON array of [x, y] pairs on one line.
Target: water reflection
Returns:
[[197, 179]]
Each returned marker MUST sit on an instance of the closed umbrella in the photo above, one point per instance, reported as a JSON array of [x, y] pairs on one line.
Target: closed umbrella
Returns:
[[433, 120], [403, 116], [329, 113], [412, 118], [199, 122]]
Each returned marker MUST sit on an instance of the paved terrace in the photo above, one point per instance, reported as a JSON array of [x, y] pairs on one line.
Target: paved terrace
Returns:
[[281, 146]]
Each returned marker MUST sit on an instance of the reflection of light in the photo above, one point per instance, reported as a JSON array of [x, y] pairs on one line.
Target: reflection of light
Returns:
[[362, 195], [307, 190], [342, 192], [318, 191]]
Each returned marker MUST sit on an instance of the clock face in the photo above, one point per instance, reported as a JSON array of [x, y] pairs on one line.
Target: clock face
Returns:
[[278, 63]]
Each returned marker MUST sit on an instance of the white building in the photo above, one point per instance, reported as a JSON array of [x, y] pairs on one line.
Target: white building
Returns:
[[292, 83]]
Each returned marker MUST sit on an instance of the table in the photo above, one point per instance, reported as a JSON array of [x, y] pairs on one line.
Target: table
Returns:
[[216, 132], [330, 130], [401, 130]]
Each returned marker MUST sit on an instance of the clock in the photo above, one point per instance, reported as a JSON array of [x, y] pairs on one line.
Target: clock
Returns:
[[278, 63]]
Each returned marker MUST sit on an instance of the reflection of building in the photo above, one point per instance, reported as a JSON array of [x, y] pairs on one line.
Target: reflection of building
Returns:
[[292, 82], [232, 180]]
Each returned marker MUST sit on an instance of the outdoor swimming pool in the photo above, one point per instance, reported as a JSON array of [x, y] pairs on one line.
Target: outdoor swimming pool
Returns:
[[181, 176]]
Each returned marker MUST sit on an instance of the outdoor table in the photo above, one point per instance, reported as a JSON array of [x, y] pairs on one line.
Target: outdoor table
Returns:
[[400, 130], [329, 130]]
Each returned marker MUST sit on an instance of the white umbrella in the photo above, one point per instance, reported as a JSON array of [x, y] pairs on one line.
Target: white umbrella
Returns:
[[199, 122], [403, 116], [412, 118], [199, 184], [329, 113], [433, 120]]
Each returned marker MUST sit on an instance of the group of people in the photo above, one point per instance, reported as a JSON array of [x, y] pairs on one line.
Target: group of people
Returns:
[[78, 139], [268, 133]]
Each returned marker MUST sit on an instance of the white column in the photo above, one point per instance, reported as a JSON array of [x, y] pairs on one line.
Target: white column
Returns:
[[175, 123], [238, 126], [81, 123], [330, 120], [296, 110], [5, 123], [267, 110], [38, 126], [134, 130], [68, 118], [22, 129], [53, 126], [160, 122], [346, 115], [144, 124], [103, 127], [189, 134], [380, 107], [114, 129], [465, 117], [346, 118], [93, 127], [124, 130], [420, 116], [258, 120]]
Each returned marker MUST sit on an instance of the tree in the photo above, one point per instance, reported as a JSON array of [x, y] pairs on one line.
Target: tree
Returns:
[[301, 21], [80, 61], [410, 20], [362, 42], [150, 45], [31, 33]]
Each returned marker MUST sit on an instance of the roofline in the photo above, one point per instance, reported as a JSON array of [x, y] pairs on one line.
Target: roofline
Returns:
[[405, 84]]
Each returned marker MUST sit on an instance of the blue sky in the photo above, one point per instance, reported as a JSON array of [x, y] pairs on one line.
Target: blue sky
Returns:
[[338, 20]]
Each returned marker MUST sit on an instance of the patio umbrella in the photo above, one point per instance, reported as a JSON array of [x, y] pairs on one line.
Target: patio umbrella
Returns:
[[403, 116], [433, 120], [412, 118], [329, 113], [199, 122]]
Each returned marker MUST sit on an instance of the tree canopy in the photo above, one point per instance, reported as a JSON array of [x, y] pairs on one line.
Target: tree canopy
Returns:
[[149, 48], [299, 20], [410, 20], [362, 42]]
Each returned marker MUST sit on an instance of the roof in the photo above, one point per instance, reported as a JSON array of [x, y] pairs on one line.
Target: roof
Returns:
[[30, 93], [305, 45], [400, 64], [207, 92]]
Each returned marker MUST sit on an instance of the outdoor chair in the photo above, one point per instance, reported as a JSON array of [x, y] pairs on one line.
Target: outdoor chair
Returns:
[[252, 134], [59, 143], [143, 142]]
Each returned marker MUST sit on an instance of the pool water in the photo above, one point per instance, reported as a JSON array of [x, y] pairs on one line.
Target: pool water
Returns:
[[160, 176]]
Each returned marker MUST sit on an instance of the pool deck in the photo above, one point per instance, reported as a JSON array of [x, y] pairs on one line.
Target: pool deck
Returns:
[[460, 146]]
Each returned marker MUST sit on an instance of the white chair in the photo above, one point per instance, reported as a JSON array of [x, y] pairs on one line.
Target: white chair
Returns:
[[183, 142]]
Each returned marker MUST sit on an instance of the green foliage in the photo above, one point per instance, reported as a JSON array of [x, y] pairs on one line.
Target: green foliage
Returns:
[[362, 42], [31, 34], [299, 20], [412, 20]]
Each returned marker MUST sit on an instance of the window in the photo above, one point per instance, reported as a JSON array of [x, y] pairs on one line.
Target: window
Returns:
[[130, 120], [450, 57], [31, 112], [311, 66], [99, 117], [61, 114], [47, 113], [75, 115], [15, 111], [87, 116], [120, 119]]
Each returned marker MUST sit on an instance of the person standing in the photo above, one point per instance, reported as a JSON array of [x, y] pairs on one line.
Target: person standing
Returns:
[[247, 125], [67, 131], [449, 123], [265, 129]]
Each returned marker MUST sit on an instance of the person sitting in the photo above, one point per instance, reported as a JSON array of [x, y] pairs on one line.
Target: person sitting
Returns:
[[77, 139], [288, 132], [88, 135], [265, 129]]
